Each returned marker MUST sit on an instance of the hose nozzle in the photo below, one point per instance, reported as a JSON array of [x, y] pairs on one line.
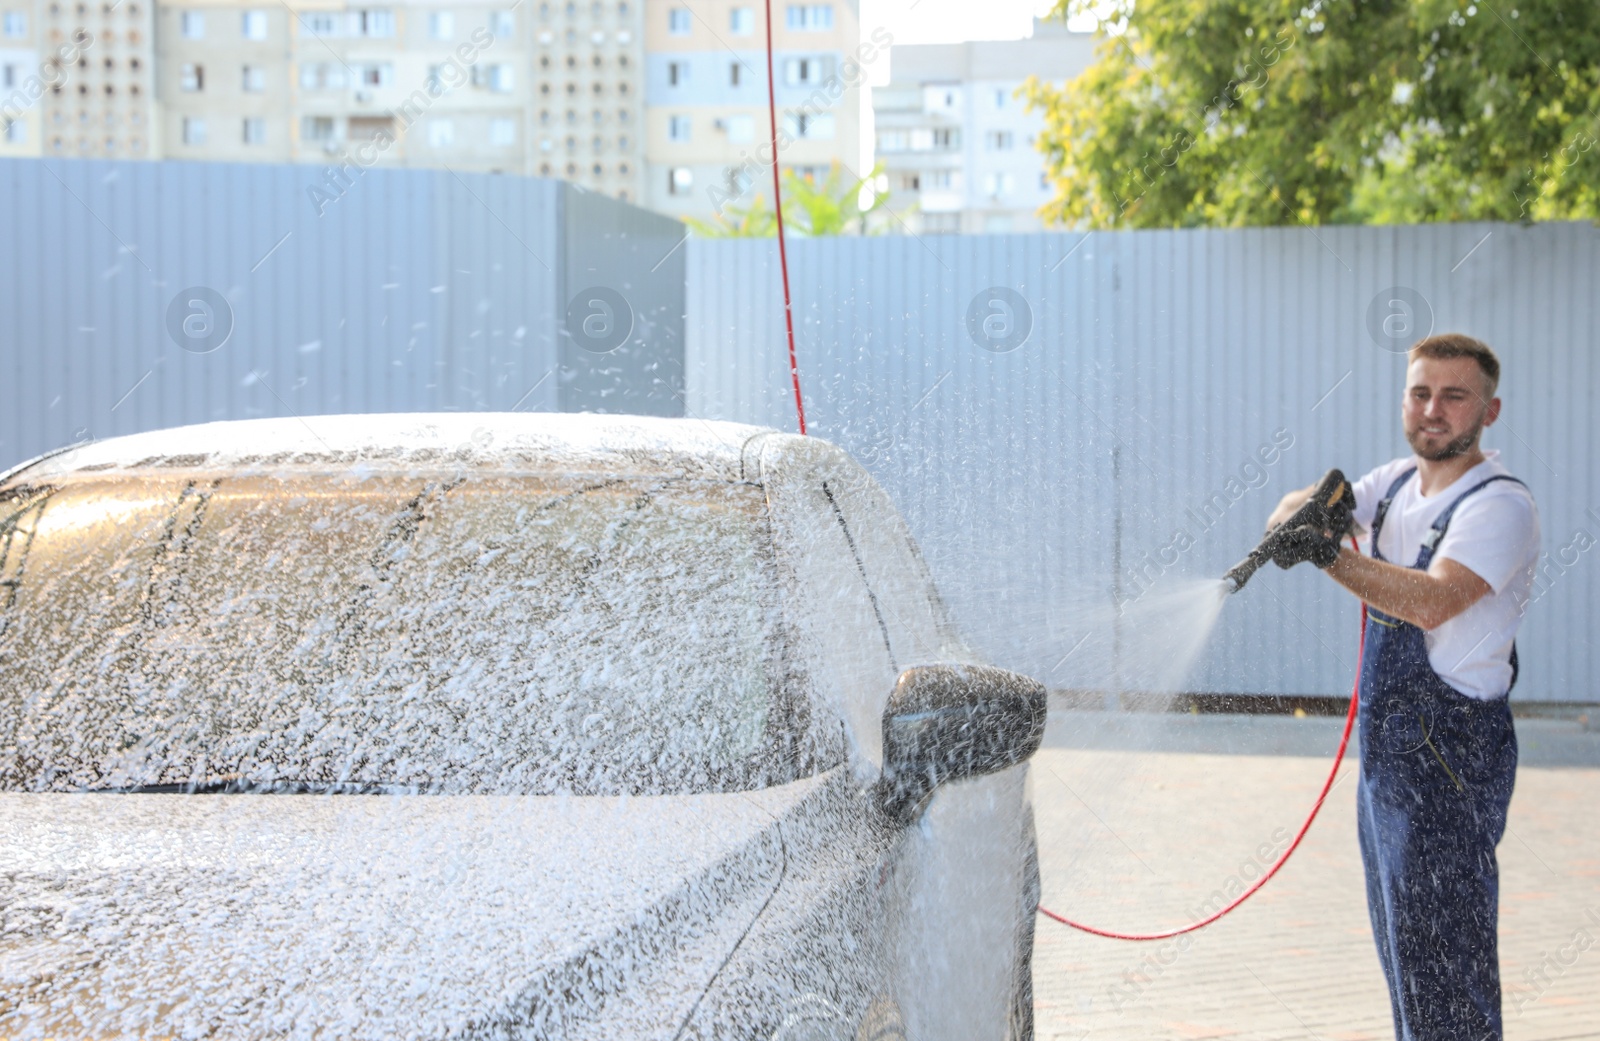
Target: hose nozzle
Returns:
[[1240, 573]]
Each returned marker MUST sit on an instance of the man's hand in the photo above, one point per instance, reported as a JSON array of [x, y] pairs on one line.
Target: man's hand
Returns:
[[1319, 518], [1304, 542]]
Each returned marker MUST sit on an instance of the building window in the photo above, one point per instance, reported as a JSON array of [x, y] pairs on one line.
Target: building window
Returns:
[[16, 130], [622, 146], [255, 131], [16, 24], [679, 21], [191, 78], [254, 79], [677, 128], [502, 131], [813, 126], [192, 24], [677, 73], [941, 179], [377, 22], [810, 17], [194, 131], [890, 141], [441, 133], [322, 76], [1001, 96], [742, 21], [8, 75], [998, 140], [317, 128], [380, 75], [946, 140], [253, 25], [801, 72], [741, 129], [442, 25], [320, 23], [733, 74], [996, 185], [503, 24], [680, 180]]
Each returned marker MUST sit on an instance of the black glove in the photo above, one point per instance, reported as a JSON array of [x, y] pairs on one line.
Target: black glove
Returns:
[[1298, 544], [1314, 530]]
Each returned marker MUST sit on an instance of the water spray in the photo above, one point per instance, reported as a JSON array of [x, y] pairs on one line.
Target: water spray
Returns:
[[1324, 518]]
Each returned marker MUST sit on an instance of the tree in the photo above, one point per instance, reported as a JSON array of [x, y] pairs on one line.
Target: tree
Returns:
[[811, 208], [1252, 112]]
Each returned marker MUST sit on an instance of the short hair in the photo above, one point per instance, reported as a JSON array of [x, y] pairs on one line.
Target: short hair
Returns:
[[1459, 345]]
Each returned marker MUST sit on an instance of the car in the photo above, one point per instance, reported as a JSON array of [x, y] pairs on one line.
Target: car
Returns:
[[497, 725]]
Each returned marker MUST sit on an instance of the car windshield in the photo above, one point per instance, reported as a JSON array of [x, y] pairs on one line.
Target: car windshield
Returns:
[[356, 632]]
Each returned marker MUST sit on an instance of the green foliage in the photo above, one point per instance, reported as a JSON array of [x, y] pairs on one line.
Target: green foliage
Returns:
[[1260, 112], [811, 208]]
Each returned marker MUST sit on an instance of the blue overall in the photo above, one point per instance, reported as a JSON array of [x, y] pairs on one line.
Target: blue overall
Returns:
[[1437, 768]]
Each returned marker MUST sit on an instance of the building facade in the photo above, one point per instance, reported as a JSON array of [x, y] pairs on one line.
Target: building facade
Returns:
[[75, 78], [544, 88], [709, 130], [648, 101], [957, 142]]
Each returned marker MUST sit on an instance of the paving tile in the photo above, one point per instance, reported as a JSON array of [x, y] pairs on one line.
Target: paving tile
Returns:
[[1142, 840]]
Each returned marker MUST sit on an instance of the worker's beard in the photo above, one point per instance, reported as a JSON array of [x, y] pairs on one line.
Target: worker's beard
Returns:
[[1451, 449]]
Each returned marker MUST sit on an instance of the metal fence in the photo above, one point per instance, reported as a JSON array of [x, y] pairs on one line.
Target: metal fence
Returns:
[[139, 295], [1068, 421]]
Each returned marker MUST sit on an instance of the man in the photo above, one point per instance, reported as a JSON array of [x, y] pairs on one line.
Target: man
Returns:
[[1453, 540]]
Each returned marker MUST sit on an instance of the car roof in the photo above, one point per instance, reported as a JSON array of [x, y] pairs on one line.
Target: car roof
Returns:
[[509, 441]]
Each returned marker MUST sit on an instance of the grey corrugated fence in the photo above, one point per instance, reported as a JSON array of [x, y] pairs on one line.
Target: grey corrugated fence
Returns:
[[1170, 387], [367, 291]]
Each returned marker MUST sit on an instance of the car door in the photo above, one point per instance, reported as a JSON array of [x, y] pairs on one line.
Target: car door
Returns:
[[960, 869]]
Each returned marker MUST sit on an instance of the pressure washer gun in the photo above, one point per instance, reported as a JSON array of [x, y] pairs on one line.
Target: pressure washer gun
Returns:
[[1311, 533]]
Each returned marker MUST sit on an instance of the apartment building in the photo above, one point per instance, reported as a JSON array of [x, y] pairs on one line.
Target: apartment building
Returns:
[[532, 88], [957, 143], [21, 87], [75, 78], [708, 131], [552, 89]]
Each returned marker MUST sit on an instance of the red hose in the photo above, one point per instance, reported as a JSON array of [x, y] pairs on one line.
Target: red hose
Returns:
[[777, 205], [1344, 741]]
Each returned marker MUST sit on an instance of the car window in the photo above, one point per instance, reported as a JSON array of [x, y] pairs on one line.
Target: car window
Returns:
[[492, 634], [913, 617]]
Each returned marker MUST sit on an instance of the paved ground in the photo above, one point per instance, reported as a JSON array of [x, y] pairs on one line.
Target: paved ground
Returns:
[[1138, 840]]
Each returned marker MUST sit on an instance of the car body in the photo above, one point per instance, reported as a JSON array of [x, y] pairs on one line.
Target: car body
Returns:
[[555, 726]]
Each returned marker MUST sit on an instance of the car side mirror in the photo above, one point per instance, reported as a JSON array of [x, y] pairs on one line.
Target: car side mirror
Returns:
[[948, 722]]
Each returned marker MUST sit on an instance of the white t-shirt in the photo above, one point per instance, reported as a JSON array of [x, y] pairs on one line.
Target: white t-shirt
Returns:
[[1494, 534]]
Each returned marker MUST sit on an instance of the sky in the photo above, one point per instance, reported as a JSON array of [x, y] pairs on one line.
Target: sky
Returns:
[[949, 21]]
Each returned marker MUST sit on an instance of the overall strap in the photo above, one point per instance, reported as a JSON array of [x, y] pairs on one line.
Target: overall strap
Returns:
[[1383, 508], [1430, 541]]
